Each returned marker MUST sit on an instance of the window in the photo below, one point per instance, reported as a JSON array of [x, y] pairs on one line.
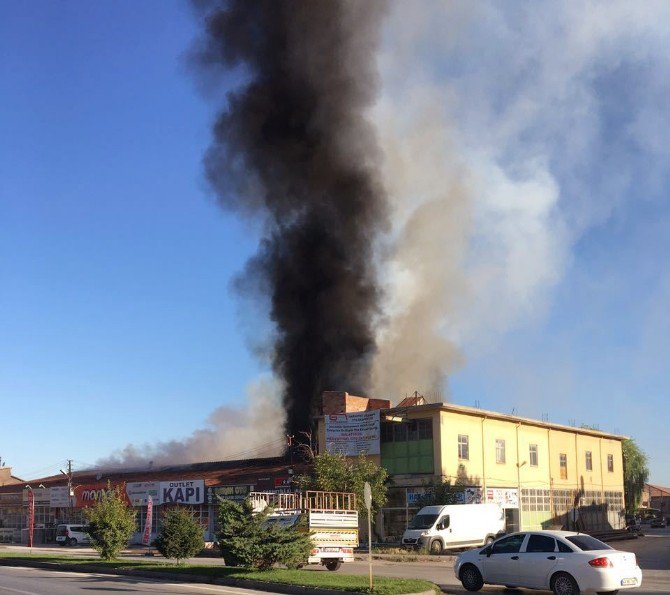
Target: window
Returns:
[[500, 451], [589, 461], [509, 545], [540, 543], [563, 462], [463, 447], [564, 548], [610, 463], [586, 543], [407, 447], [532, 454]]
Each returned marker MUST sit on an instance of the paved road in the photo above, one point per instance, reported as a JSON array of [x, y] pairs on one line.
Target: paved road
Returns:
[[33, 581], [652, 551]]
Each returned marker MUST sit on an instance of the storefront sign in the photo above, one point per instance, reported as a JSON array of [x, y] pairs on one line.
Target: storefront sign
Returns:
[[415, 495], [182, 492], [503, 497], [11, 498], [88, 494], [40, 496], [59, 497], [139, 492], [351, 434], [473, 495], [236, 493], [283, 483]]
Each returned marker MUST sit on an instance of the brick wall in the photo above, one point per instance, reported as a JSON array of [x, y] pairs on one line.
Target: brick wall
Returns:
[[342, 402]]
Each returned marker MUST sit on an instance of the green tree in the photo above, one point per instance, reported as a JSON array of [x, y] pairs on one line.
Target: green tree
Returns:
[[441, 493], [256, 540], [111, 523], [337, 473], [446, 492], [635, 473], [181, 535]]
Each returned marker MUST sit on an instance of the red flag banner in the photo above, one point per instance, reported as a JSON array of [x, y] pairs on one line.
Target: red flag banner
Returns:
[[146, 536], [31, 517]]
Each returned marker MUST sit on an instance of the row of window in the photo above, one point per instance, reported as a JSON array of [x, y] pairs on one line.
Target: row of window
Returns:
[[413, 430], [464, 455]]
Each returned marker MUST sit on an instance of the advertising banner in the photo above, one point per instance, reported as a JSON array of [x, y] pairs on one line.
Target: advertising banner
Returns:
[[146, 536], [182, 492], [503, 497], [138, 492], [351, 434]]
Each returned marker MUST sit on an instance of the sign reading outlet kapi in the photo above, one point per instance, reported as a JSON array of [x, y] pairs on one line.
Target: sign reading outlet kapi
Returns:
[[182, 492]]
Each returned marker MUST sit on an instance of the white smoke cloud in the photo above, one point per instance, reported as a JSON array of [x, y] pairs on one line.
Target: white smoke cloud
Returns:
[[509, 131], [252, 430]]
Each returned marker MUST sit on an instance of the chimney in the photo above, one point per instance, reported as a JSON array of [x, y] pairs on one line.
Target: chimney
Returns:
[[333, 402]]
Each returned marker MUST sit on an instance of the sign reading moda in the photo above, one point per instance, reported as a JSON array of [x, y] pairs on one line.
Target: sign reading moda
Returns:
[[351, 434]]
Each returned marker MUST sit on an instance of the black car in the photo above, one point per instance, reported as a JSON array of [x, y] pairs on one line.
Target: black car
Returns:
[[660, 522]]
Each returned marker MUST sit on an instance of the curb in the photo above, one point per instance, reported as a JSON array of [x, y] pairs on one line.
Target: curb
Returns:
[[190, 578]]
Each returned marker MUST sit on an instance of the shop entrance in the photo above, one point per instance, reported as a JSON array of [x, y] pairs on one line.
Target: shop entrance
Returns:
[[511, 520]]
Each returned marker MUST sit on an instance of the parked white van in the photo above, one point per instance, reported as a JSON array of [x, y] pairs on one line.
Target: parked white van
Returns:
[[72, 534], [454, 526]]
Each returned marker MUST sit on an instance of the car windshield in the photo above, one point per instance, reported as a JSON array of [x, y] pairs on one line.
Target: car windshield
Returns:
[[423, 521], [587, 543], [61, 530]]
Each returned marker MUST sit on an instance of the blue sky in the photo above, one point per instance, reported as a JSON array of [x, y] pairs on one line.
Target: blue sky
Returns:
[[117, 321]]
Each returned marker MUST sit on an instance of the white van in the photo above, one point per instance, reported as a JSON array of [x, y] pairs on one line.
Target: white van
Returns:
[[437, 528], [72, 534]]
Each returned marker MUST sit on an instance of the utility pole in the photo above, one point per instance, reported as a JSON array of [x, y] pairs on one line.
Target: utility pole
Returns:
[[70, 491]]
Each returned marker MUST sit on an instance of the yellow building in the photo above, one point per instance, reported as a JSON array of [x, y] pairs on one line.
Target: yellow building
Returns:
[[542, 474]]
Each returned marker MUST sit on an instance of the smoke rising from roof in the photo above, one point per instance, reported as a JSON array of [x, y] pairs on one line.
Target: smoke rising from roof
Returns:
[[251, 431], [292, 148]]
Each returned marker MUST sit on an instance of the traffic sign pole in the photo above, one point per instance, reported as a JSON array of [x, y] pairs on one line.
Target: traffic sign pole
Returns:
[[367, 496]]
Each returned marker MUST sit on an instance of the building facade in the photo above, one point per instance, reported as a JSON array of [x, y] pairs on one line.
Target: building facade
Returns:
[[657, 497], [199, 486], [542, 474]]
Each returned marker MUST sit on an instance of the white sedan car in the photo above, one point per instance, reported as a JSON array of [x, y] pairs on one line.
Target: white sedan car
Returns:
[[565, 562]]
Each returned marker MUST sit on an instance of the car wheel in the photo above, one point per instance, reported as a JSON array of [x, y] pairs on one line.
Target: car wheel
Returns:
[[471, 578], [563, 584], [62, 543], [333, 565], [436, 546], [73, 542]]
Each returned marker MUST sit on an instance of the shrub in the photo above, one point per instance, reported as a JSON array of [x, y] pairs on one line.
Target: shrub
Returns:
[[253, 540], [181, 535], [111, 523]]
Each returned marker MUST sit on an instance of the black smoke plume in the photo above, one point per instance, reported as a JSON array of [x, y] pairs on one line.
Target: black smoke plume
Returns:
[[292, 147]]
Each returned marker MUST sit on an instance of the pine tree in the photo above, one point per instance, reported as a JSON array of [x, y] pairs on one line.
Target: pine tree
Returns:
[[181, 535], [254, 540]]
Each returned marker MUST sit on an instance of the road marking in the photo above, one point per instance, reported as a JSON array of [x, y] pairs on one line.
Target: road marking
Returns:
[[10, 590]]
